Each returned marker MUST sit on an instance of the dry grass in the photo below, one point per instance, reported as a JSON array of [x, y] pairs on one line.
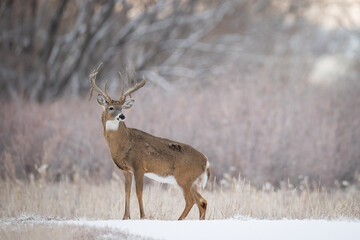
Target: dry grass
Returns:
[[65, 200]]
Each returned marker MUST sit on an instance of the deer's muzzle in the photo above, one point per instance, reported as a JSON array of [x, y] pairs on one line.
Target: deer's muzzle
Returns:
[[121, 117]]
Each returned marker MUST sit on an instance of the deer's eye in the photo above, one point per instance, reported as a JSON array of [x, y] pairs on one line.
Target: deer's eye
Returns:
[[111, 108]]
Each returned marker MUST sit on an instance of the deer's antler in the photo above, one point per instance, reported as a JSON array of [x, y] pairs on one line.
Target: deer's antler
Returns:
[[131, 90], [92, 78]]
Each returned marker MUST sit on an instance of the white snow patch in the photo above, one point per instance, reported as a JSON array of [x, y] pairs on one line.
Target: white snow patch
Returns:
[[233, 229]]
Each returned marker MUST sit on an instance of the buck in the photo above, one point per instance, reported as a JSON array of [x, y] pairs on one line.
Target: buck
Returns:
[[140, 154]]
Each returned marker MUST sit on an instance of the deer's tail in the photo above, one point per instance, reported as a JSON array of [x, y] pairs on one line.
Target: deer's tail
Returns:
[[206, 175]]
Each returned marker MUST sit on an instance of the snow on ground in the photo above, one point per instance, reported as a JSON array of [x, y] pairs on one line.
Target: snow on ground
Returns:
[[233, 229]]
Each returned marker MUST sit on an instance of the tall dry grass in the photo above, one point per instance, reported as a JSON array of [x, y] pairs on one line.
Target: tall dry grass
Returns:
[[81, 200]]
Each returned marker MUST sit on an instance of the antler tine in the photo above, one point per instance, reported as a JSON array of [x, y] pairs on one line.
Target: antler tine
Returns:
[[130, 90], [134, 75], [106, 86], [122, 97], [135, 88], [92, 79], [129, 79]]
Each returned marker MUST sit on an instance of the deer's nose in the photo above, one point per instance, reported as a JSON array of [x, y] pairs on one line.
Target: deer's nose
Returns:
[[122, 116]]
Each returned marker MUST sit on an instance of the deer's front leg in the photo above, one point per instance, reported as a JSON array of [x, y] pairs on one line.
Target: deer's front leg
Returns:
[[128, 182], [139, 181]]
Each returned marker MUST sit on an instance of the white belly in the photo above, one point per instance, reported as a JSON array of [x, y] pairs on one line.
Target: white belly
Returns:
[[168, 179]]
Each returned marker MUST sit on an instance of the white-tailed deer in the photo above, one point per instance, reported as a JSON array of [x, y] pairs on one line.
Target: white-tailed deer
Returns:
[[141, 154]]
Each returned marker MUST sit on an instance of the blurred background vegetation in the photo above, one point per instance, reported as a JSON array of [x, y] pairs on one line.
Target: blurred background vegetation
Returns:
[[267, 89]]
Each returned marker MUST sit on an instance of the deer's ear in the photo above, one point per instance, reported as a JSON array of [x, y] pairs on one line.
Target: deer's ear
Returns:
[[101, 100], [128, 104]]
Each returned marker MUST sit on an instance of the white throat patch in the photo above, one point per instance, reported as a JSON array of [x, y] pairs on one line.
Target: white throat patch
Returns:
[[112, 125]]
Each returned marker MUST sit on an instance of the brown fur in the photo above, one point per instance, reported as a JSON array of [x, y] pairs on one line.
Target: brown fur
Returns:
[[136, 152]]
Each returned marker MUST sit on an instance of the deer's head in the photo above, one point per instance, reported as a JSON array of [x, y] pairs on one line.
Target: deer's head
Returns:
[[113, 108]]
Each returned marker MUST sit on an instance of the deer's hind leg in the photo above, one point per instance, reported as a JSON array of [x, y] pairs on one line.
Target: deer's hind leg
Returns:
[[189, 201], [200, 202]]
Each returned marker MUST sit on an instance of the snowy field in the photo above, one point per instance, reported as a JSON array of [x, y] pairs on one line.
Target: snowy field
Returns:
[[217, 229], [235, 229]]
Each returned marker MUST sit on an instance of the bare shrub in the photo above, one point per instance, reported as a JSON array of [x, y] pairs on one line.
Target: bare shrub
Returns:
[[61, 137], [265, 131]]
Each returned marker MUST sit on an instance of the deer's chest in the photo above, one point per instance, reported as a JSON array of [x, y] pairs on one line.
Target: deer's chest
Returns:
[[121, 159]]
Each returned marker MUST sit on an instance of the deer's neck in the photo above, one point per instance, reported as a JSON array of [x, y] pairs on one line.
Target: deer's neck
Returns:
[[115, 130], [117, 139]]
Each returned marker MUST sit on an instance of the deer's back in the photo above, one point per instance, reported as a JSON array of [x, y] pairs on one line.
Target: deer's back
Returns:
[[163, 152]]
